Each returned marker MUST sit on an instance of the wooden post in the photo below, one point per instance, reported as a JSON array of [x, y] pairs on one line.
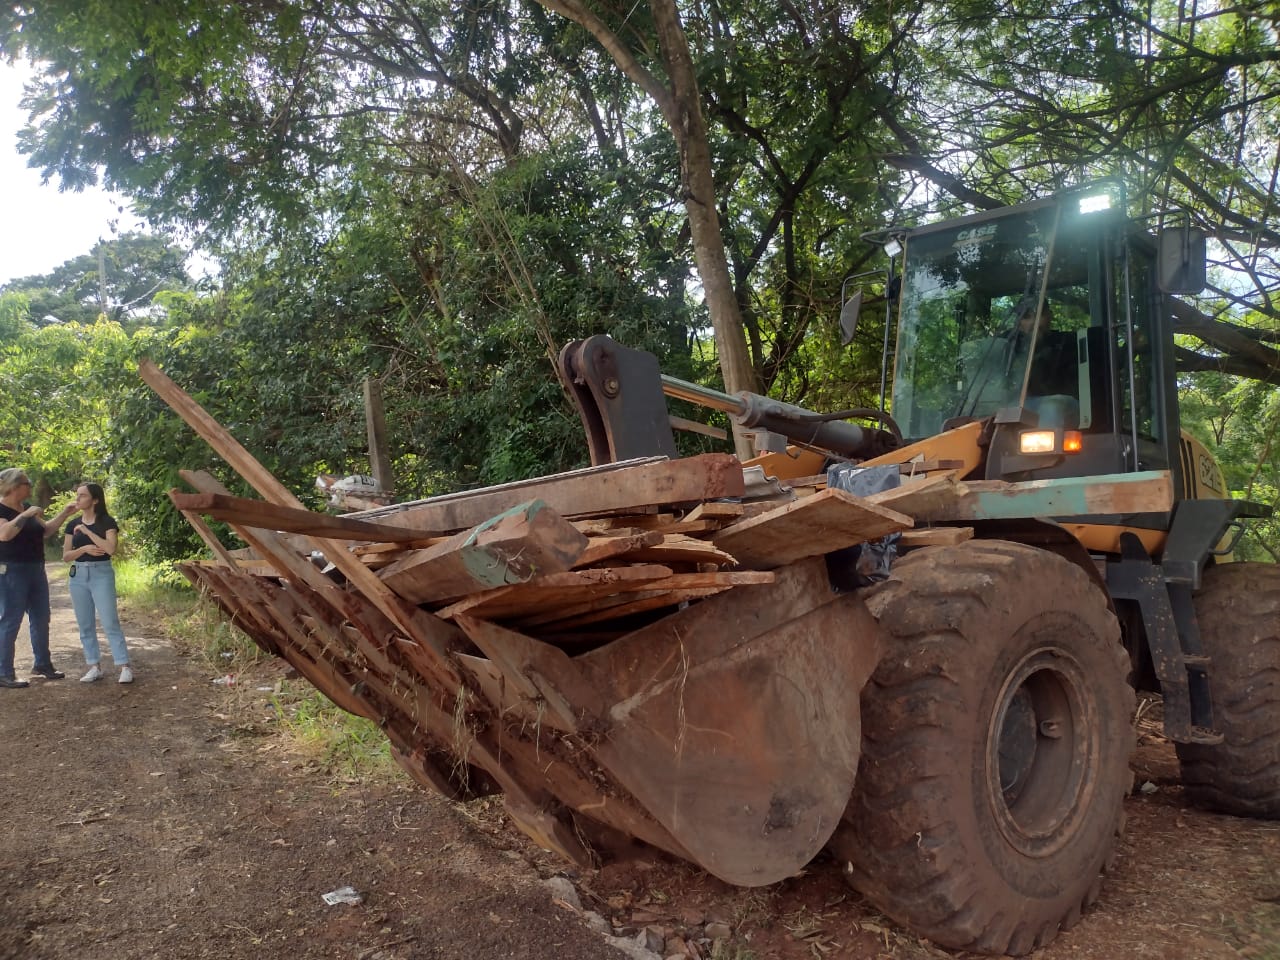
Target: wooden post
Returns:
[[375, 421]]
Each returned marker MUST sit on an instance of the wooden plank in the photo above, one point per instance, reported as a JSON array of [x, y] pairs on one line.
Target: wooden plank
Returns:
[[262, 515], [632, 603], [602, 527], [1149, 491], [607, 548], [677, 548], [715, 508], [513, 547], [693, 426], [418, 627], [648, 521], [934, 537], [710, 476], [375, 420], [559, 591], [816, 480], [828, 520], [915, 469], [370, 549], [919, 497], [240, 460], [692, 526], [213, 543], [553, 589], [557, 614]]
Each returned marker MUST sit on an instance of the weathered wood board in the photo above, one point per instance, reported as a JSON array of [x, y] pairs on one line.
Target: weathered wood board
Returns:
[[515, 546], [263, 515], [1149, 491], [829, 520], [618, 487]]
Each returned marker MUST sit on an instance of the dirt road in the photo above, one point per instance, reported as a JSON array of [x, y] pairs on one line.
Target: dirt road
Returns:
[[159, 820], [143, 821]]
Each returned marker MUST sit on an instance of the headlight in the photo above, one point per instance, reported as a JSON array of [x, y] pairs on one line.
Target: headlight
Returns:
[[1047, 441], [1037, 441]]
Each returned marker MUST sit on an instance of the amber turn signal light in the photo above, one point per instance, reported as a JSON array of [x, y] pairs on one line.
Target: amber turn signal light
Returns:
[[1072, 441]]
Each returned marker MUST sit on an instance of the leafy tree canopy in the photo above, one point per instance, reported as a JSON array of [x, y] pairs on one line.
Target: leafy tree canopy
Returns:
[[122, 280], [441, 195]]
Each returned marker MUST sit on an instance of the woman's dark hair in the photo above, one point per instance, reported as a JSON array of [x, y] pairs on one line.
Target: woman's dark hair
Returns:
[[100, 498]]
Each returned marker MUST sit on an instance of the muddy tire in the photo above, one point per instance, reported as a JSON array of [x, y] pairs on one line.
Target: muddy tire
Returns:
[[997, 733], [1238, 611]]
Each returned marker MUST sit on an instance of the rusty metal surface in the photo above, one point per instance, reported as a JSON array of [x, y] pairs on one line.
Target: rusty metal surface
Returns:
[[726, 733]]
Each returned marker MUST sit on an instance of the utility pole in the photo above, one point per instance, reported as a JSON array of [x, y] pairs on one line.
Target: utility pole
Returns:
[[102, 279]]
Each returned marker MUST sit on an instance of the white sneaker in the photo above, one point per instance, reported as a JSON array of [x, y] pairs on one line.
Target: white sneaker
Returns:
[[95, 673], [126, 674]]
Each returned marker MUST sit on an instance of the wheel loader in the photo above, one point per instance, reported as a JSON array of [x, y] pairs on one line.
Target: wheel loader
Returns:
[[746, 665]]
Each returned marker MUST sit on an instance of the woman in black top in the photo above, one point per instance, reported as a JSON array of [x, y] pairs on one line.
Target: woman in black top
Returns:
[[89, 544], [24, 587]]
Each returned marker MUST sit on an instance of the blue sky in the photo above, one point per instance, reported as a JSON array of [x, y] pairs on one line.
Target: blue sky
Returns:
[[43, 228]]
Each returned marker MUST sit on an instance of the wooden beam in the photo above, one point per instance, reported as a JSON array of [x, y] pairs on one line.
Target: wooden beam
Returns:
[[213, 543], [226, 446], [1149, 491], [554, 589], [375, 421], [826, 521], [934, 537], [710, 476], [269, 516], [513, 547], [416, 625]]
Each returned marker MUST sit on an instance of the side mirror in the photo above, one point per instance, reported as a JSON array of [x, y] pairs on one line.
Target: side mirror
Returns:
[[849, 317], [1180, 264]]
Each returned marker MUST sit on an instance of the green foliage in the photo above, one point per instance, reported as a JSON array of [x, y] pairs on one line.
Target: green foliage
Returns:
[[60, 380], [122, 280], [1240, 422], [440, 196], [347, 746]]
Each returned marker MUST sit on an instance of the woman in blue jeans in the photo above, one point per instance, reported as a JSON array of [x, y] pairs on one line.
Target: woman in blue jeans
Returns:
[[89, 543], [24, 587]]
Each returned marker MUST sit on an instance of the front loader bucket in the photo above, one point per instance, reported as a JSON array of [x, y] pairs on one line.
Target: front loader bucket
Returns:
[[572, 642], [734, 723], [726, 733]]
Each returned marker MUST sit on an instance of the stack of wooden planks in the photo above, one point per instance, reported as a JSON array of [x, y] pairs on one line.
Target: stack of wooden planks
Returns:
[[622, 647], [621, 541]]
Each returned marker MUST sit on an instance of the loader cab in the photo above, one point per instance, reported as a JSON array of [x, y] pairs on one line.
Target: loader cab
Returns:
[[1045, 318]]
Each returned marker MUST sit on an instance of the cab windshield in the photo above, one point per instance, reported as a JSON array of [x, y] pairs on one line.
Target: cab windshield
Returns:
[[993, 315]]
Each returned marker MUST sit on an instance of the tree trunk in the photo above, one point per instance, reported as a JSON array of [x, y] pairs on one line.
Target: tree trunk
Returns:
[[684, 114], [681, 107]]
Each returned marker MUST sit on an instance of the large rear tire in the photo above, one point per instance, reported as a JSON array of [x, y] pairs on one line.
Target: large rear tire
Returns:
[[1238, 611], [997, 733]]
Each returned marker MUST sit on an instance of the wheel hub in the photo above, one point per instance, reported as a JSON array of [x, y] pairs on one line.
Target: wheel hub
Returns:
[[1041, 751]]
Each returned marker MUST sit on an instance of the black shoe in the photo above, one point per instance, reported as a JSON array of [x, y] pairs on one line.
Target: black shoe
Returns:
[[12, 683], [49, 673]]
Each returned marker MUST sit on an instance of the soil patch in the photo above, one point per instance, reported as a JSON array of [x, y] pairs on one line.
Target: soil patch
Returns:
[[166, 819]]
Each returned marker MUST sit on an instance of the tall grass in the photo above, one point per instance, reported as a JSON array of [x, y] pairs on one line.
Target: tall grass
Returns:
[[349, 747], [164, 599]]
